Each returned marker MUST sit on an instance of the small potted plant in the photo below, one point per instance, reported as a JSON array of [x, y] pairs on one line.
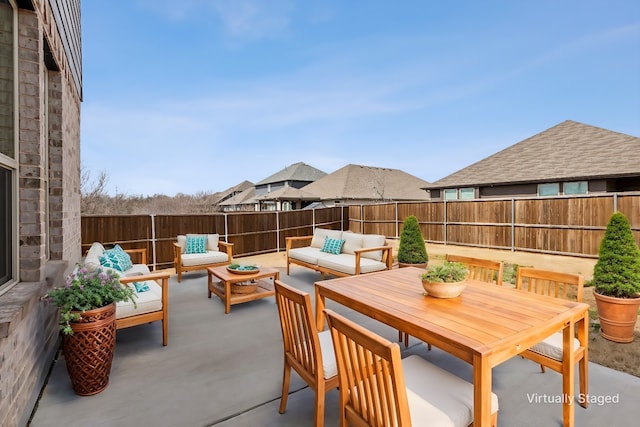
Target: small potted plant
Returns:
[[616, 280], [412, 251], [446, 280], [88, 324]]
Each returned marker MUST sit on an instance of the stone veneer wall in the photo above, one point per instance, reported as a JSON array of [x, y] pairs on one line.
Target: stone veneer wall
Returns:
[[49, 217]]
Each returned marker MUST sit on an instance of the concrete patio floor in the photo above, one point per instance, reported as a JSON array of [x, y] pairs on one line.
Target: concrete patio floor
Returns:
[[226, 370]]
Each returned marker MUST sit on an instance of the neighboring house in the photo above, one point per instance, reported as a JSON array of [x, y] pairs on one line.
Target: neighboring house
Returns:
[[219, 198], [243, 201], [567, 159], [356, 184], [40, 98], [295, 176]]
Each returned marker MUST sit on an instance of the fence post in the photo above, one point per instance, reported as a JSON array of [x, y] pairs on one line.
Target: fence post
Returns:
[[396, 203], [226, 228], [444, 221], [513, 225], [277, 231], [615, 202], [154, 247]]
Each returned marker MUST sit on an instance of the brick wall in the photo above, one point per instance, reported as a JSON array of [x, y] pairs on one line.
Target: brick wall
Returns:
[[49, 211]]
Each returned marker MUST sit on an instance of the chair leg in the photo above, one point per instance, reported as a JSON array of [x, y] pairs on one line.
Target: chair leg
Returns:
[[319, 411], [542, 368], [179, 275], [286, 377], [429, 346]]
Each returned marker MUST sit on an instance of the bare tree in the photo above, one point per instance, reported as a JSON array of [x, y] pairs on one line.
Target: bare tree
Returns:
[[93, 192]]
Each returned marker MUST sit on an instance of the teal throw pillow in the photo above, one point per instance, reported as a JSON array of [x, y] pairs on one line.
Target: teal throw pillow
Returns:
[[116, 258], [332, 246], [141, 286], [196, 245]]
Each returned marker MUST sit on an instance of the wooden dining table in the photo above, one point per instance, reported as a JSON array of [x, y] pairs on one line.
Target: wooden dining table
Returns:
[[484, 326]]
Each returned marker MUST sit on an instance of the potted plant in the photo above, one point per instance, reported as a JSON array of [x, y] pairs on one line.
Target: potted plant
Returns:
[[412, 251], [88, 325], [616, 280], [446, 280]]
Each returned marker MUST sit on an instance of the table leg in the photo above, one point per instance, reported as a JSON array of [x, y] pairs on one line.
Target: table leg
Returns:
[[583, 337], [227, 296], [319, 310], [568, 372], [209, 283], [481, 392]]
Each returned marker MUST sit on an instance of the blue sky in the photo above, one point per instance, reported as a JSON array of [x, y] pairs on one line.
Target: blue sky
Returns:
[[196, 96]]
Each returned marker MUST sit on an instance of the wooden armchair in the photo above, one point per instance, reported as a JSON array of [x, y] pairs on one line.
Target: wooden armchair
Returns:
[[150, 306], [406, 392], [481, 269], [548, 353], [308, 352], [216, 253]]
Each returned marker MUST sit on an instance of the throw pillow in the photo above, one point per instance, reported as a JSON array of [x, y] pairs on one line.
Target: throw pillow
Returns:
[[116, 258], [141, 286], [332, 246], [196, 245]]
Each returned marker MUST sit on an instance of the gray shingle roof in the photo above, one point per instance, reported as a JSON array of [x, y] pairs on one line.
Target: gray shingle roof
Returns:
[[567, 151], [356, 182], [296, 172], [287, 193]]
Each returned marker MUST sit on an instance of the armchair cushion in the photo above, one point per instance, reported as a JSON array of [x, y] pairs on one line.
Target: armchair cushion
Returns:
[[212, 241], [210, 257]]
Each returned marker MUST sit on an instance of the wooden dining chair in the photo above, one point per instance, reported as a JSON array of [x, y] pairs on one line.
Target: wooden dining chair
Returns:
[[548, 353], [377, 388], [308, 352], [484, 270]]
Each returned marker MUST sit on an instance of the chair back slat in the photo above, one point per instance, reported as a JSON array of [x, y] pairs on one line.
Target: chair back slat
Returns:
[[552, 283], [372, 387], [299, 335], [481, 269]]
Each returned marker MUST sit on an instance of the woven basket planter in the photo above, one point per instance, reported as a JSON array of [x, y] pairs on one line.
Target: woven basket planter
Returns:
[[243, 288], [89, 351]]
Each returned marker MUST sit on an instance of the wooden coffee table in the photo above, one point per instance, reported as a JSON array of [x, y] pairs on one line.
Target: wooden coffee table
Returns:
[[222, 287]]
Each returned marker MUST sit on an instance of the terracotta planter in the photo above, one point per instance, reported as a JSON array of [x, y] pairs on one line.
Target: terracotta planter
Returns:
[[444, 290], [89, 351], [617, 317], [421, 265]]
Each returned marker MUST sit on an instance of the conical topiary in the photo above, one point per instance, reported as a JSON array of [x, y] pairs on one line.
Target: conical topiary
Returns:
[[412, 249], [617, 271]]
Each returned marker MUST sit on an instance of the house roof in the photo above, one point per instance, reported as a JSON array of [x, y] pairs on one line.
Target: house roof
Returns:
[[287, 193], [245, 197], [567, 151], [368, 183], [296, 172], [221, 196]]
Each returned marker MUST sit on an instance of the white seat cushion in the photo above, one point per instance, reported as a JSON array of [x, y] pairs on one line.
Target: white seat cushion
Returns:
[[449, 394], [146, 302], [552, 346], [329, 364], [211, 257], [346, 263], [307, 254], [136, 270]]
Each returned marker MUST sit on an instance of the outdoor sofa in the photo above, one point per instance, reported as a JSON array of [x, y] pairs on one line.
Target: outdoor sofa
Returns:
[[339, 253]]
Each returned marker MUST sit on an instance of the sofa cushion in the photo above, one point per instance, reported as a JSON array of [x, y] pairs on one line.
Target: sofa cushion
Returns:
[[307, 254], [92, 260], [320, 234], [136, 270], [146, 302], [346, 263], [373, 241], [196, 245], [332, 246], [352, 241], [211, 257]]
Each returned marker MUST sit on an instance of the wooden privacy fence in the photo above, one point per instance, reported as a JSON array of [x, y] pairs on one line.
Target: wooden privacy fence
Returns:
[[555, 225]]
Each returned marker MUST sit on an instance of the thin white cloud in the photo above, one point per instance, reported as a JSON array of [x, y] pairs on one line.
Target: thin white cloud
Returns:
[[254, 19]]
